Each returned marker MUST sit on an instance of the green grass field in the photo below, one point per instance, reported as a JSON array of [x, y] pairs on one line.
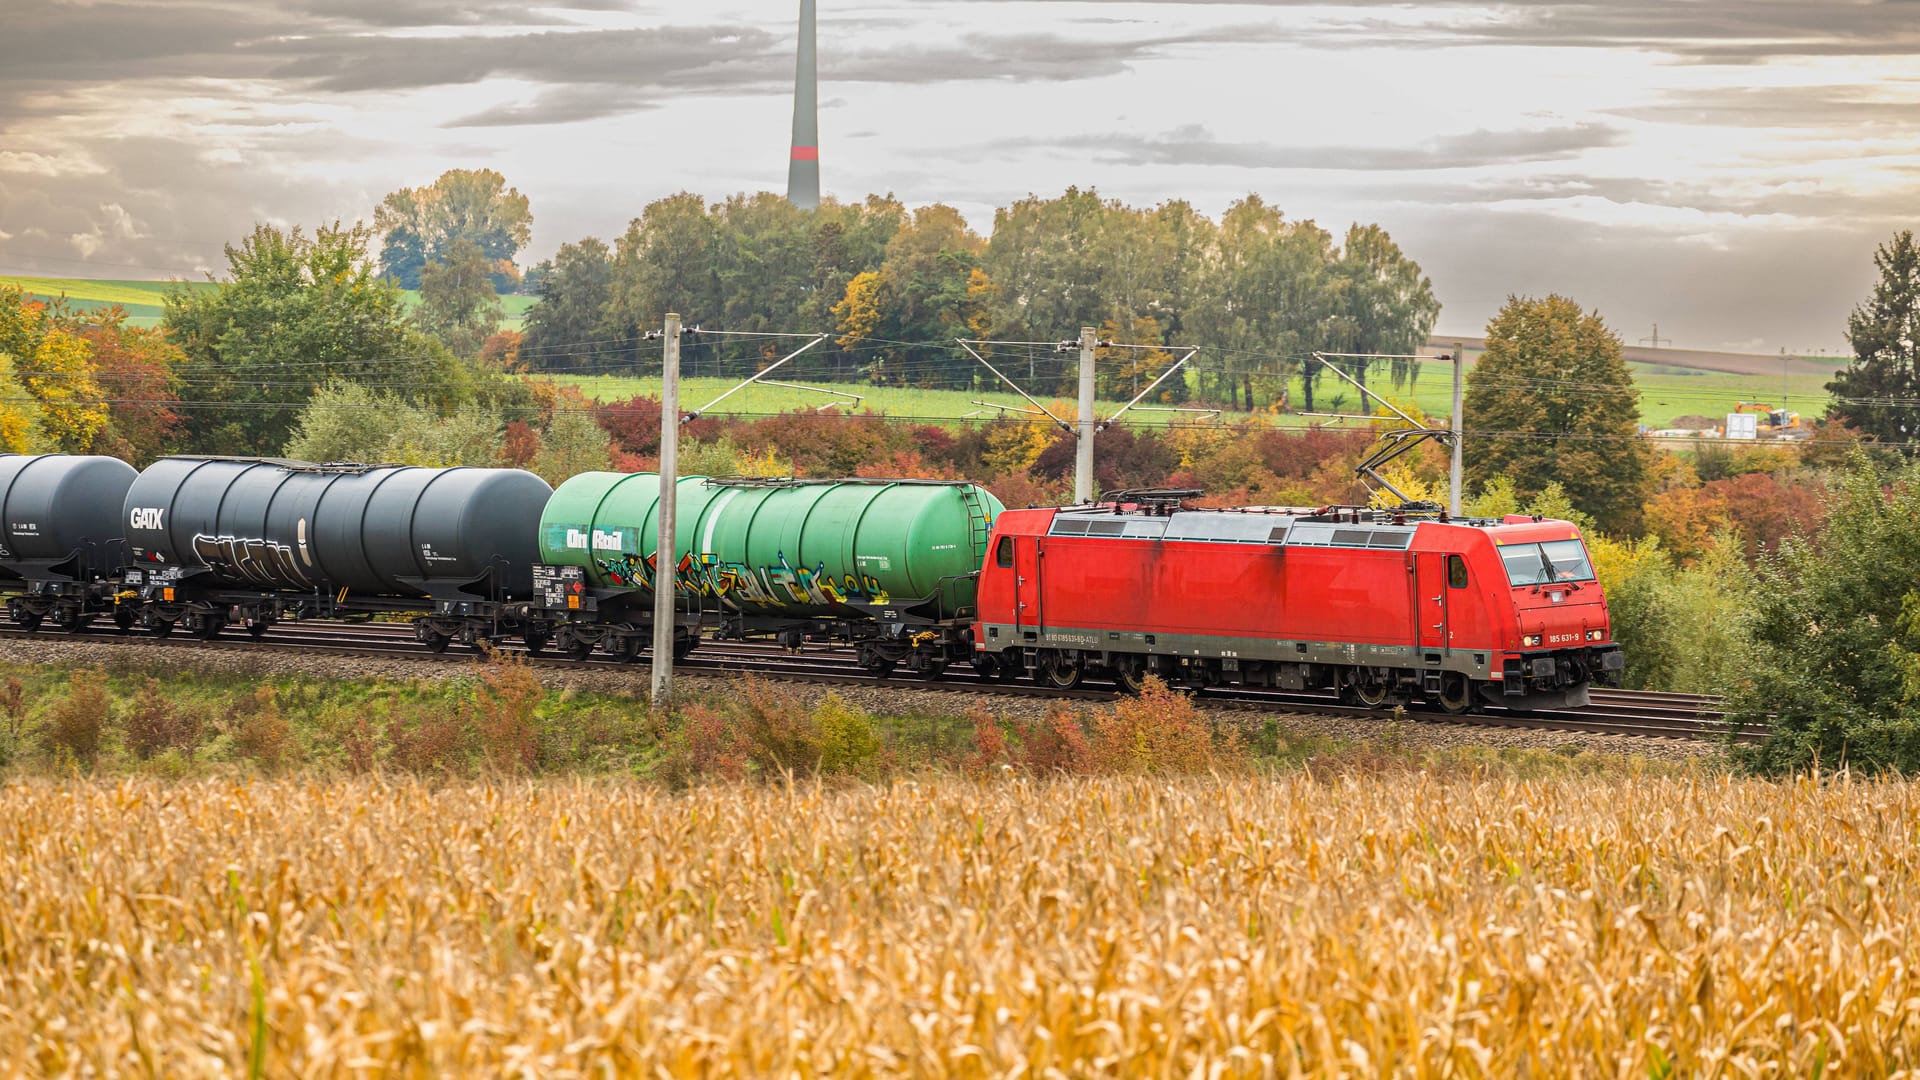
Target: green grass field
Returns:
[[142, 299], [1664, 394]]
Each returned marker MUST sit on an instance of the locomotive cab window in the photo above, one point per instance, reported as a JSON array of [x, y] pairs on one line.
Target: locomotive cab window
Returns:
[[1545, 564], [1003, 552], [1456, 572]]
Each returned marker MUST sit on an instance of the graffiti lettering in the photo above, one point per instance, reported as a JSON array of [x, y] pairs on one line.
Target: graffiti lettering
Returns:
[[266, 563]]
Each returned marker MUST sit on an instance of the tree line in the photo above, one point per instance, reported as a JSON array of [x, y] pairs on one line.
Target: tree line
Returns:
[[1257, 291]]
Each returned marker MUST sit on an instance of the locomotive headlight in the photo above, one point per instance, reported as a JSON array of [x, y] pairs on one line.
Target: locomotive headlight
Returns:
[[1531, 640], [1596, 635]]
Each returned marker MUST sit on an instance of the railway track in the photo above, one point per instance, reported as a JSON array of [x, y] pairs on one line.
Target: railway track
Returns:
[[1612, 712]]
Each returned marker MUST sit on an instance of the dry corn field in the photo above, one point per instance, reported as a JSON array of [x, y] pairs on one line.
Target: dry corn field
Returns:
[[1388, 925]]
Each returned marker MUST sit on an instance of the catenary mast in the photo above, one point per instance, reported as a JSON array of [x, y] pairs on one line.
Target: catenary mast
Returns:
[[803, 168]]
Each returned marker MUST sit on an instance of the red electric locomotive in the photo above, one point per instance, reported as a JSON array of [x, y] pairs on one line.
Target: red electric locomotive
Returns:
[[1384, 606]]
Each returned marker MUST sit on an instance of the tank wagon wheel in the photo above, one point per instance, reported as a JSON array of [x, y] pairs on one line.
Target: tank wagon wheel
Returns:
[[435, 641], [123, 618], [683, 647], [932, 671], [1456, 694], [578, 648], [257, 630], [209, 628], [160, 627], [1131, 674], [1365, 689], [30, 620], [629, 649], [1060, 670], [537, 642], [881, 667], [71, 621]]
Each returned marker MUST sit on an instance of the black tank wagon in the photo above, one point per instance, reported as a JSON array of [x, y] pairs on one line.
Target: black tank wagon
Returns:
[[215, 541], [61, 541]]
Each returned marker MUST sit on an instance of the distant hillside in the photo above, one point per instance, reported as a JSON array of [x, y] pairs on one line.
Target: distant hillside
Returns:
[[142, 299]]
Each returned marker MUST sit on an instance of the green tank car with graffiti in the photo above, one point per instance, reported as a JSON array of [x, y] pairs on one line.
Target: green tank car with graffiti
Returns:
[[863, 561]]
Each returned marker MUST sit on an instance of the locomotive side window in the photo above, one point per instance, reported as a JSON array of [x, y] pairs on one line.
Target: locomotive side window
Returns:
[[1003, 552], [1456, 572]]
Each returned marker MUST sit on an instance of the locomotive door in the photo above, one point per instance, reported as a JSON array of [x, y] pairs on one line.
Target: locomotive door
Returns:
[[1430, 600], [1026, 584]]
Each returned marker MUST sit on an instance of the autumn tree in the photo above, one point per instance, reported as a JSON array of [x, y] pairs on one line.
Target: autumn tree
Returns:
[[929, 289], [54, 366], [137, 370], [421, 225], [20, 428], [1879, 392], [1552, 401], [457, 305]]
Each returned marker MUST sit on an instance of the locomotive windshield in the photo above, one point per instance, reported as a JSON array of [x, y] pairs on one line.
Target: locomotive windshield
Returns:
[[1544, 564]]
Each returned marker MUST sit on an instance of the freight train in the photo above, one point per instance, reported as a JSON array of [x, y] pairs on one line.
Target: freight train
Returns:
[[1382, 607]]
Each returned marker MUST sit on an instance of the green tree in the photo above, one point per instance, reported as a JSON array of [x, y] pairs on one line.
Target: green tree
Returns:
[[1381, 303], [665, 262], [1834, 676], [295, 312], [569, 327], [1265, 301], [574, 442], [1879, 392], [1552, 401], [458, 306], [421, 225]]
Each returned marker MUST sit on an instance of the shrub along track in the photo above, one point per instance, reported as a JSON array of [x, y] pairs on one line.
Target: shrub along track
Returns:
[[1645, 714]]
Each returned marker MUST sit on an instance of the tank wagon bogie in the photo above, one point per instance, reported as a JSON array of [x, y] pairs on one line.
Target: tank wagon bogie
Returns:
[[886, 565], [1382, 608], [61, 544], [219, 541]]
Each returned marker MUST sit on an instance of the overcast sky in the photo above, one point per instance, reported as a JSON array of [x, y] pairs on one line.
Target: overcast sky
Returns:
[[1722, 167]]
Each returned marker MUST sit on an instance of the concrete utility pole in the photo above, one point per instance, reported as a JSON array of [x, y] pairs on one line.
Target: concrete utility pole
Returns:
[[803, 166], [665, 562], [1459, 426], [1083, 453]]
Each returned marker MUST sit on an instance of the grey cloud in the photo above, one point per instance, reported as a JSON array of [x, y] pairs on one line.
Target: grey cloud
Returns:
[[1852, 108], [1194, 145], [566, 105]]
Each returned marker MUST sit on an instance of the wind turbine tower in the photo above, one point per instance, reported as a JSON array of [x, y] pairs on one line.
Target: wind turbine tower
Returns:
[[803, 168]]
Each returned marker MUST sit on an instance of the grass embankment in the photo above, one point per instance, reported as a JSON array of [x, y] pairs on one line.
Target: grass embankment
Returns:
[[181, 722], [1395, 923], [143, 299], [1665, 393]]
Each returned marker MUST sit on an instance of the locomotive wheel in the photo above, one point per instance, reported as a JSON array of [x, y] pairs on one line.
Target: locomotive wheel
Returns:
[[1456, 694], [1365, 690], [1131, 675], [578, 648], [1058, 670]]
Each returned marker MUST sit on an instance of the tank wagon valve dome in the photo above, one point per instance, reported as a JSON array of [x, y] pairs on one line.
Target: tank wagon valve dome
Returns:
[[792, 548], [390, 530], [60, 515]]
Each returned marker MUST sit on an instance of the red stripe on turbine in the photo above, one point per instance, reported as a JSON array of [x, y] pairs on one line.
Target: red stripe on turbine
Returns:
[[806, 153]]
